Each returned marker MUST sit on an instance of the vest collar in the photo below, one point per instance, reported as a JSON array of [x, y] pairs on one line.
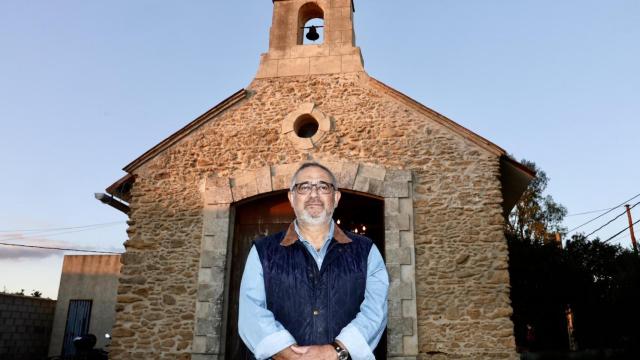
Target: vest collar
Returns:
[[291, 237]]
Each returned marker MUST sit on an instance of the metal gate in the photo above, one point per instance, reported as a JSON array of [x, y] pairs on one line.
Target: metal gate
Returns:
[[78, 318]]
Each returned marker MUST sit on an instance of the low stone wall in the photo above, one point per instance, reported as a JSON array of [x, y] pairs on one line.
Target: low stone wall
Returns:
[[25, 326]]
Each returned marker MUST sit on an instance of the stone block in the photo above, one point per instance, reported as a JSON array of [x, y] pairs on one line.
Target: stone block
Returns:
[[306, 108], [398, 176], [347, 36], [400, 325], [299, 142], [372, 171], [325, 65], [217, 190], [263, 180], [398, 256], [204, 310], [207, 292], [215, 258], [397, 222], [406, 205], [340, 48], [317, 138], [394, 271], [408, 271], [400, 290], [244, 191], [404, 222], [395, 307], [395, 189], [199, 344], [409, 309], [208, 327], [375, 187], [206, 275], [293, 67], [267, 69], [410, 346], [347, 175], [407, 239], [281, 172], [361, 184], [391, 239], [332, 37], [352, 63], [395, 344], [218, 228], [391, 206], [341, 3], [309, 51]]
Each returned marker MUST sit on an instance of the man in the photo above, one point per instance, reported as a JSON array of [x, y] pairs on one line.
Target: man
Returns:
[[313, 292]]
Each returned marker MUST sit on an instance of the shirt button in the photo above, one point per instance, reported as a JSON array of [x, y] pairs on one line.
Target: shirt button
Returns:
[[316, 312]]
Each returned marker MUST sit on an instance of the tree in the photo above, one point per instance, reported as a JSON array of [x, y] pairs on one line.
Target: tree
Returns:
[[599, 281], [535, 216], [36, 293]]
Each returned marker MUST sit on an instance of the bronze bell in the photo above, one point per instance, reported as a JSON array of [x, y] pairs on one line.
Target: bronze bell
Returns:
[[313, 34]]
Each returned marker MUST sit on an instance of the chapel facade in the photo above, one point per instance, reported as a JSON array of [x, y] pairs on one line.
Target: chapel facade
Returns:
[[433, 196]]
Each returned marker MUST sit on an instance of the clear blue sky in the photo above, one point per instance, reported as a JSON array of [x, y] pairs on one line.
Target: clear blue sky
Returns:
[[88, 86]]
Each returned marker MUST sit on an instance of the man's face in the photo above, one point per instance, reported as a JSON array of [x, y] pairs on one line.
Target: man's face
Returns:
[[314, 208]]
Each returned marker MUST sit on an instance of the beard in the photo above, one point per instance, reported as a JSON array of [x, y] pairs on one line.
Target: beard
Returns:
[[320, 218]]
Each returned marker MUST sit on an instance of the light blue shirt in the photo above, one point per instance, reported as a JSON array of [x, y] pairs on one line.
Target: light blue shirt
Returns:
[[265, 337]]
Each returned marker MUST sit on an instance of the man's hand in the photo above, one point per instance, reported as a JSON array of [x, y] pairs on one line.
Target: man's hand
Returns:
[[293, 352], [319, 352]]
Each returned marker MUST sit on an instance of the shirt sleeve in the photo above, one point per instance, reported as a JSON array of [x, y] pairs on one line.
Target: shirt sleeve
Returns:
[[362, 334], [257, 326]]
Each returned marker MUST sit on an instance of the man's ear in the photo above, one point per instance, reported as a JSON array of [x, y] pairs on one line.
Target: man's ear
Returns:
[[336, 197], [290, 196]]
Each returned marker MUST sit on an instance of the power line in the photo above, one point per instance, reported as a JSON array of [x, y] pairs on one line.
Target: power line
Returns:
[[610, 221], [33, 236], [61, 249], [599, 216], [589, 212], [62, 228], [621, 231]]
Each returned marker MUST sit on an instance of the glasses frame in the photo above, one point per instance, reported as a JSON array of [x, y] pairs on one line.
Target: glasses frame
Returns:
[[314, 185]]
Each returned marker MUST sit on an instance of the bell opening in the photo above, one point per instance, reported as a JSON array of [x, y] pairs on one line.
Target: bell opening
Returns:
[[310, 24], [313, 33]]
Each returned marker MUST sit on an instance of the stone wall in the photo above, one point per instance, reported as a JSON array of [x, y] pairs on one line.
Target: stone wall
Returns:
[[460, 251], [25, 326]]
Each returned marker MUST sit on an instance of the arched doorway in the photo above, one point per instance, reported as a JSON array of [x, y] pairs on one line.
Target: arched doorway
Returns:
[[263, 215]]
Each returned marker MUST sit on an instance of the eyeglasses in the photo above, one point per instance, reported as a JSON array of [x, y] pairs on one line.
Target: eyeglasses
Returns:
[[305, 188]]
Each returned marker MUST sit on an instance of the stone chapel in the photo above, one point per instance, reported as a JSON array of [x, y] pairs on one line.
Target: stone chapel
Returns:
[[433, 196]]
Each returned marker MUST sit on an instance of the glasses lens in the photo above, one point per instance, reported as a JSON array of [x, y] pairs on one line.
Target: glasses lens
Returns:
[[306, 188], [324, 188]]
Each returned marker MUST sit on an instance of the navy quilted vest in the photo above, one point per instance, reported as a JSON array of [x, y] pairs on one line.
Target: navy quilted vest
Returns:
[[314, 305]]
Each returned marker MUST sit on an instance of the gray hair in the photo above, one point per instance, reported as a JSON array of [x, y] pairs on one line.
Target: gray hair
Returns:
[[334, 181]]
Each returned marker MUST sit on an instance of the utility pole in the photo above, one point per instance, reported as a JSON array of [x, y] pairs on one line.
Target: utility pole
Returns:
[[573, 346], [633, 236]]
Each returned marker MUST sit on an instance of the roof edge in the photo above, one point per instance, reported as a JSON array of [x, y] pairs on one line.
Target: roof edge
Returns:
[[186, 130], [441, 119]]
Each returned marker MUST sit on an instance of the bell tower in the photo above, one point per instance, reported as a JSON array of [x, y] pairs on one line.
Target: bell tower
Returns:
[[292, 49]]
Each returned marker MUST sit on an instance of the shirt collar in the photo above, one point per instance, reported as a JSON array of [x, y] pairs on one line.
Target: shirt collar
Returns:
[[291, 236]]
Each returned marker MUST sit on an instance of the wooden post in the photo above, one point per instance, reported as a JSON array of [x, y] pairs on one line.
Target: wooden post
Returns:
[[633, 236]]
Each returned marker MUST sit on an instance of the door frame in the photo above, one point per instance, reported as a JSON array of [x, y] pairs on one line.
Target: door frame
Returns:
[[395, 186]]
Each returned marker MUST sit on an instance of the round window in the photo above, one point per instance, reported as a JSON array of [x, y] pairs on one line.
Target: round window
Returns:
[[305, 126]]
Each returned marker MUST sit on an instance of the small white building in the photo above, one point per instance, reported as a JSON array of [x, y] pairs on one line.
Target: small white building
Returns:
[[86, 301]]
